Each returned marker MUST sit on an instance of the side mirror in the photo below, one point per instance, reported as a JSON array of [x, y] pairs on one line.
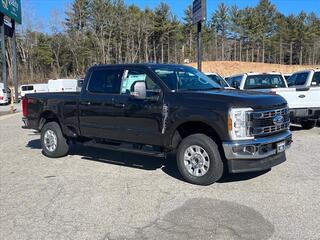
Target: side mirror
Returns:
[[139, 90], [314, 84]]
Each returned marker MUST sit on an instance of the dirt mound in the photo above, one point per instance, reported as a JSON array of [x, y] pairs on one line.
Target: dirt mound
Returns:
[[227, 68]]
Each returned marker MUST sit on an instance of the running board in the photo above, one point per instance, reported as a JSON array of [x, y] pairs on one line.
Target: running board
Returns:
[[125, 148]]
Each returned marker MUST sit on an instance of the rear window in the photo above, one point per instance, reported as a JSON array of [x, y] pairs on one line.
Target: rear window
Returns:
[[105, 81], [27, 88], [298, 79], [264, 81]]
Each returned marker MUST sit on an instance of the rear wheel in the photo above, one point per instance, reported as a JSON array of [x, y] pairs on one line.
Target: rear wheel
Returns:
[[53, 143], [199, 160], [308, 124]]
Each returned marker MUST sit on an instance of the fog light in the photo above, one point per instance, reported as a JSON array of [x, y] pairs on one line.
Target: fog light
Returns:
[[250, 149], [245, 149]]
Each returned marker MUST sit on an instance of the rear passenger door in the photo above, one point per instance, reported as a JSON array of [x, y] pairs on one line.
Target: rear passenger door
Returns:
[[96, 111]]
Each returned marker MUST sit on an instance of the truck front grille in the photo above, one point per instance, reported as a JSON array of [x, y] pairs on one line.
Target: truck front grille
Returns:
[[264, 123]]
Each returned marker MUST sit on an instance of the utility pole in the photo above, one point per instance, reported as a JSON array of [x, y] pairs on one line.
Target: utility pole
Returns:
[[199, 46], [199, 14], [14, 58], [3, 53]]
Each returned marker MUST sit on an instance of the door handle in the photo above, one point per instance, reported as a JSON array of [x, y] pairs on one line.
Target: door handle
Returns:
[[85, 103], [302, 96], [119, 105]]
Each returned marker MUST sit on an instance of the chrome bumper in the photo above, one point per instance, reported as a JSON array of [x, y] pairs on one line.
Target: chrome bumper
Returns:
[[256, 148]]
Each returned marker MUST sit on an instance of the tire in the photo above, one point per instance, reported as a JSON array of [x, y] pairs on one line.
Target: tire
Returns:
[[308, 124], [51, 133], [210, 157]]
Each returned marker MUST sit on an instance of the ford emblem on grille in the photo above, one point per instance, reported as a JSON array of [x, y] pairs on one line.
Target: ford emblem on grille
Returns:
[[278, 120]]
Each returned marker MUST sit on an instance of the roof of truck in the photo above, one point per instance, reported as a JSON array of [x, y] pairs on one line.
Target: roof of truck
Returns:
[[139, 65], [255, 73]]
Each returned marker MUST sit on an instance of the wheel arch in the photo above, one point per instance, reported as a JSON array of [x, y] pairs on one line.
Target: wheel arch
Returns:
[[47, 116]]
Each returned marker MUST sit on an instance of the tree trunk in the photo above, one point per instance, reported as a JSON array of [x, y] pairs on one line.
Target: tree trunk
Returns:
[[168, 48], [162, 53], [291, 46], [154, 51], [240, 50], [222, 49], [252, 53], [263, 50], [247, 57], [301, 55], [235, 50], [190, 46], [146, 58], [280, 51]]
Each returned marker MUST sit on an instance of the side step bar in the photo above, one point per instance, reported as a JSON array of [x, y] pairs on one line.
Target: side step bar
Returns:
[[126, 147]]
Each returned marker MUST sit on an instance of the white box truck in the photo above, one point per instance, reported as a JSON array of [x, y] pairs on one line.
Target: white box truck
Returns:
[[33, 88], [63, 85]]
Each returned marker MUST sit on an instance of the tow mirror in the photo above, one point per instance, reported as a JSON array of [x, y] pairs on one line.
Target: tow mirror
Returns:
[[139, 90]]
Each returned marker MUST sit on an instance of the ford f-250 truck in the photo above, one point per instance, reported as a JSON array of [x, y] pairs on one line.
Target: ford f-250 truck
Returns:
[[155, 109]]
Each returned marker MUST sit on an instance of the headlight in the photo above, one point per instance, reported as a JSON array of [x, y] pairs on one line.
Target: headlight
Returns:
[[238, 123]]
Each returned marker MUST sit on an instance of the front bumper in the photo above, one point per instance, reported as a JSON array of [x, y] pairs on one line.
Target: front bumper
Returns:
[[256, 154]]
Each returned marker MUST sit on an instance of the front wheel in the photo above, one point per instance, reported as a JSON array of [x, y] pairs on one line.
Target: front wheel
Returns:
[[199, 160], [54, 144], [308, 124]]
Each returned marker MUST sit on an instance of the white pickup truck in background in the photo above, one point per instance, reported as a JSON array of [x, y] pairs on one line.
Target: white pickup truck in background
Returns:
[[263, 82], [303, 97]]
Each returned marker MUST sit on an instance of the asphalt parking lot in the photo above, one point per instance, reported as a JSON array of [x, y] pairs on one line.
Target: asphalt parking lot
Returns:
[[99, 194]]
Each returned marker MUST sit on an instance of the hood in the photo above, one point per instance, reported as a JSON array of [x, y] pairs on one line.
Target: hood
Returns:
[[239, 98]]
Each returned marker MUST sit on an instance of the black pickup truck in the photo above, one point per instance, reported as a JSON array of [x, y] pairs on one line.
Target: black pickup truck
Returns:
[[155, 109]]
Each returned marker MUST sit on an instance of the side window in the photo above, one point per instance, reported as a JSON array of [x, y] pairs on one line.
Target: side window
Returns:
[[316, 78], [105, 81], [235, 81], [230, 80], [130, 77], [298, 79]]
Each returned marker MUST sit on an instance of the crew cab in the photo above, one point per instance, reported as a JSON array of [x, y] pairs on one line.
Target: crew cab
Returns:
[[155, 109], [303, 97], [258, 81]]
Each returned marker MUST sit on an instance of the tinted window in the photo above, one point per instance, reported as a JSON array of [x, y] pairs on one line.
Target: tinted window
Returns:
[[218, 80], [105, 81], [287, 77], [185, 78], [316, 78], [27, 88], [235, 81], [264, 81], [298, 79]]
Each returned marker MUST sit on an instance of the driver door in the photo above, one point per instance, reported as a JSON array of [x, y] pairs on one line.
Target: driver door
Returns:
[[139, 119]]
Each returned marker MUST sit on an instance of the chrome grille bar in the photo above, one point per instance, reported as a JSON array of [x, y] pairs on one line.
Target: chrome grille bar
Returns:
[[262, 122]]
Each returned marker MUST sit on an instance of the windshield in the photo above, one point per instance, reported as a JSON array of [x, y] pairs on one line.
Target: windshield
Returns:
[[184, 78], [264, 81], [218, 80]]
